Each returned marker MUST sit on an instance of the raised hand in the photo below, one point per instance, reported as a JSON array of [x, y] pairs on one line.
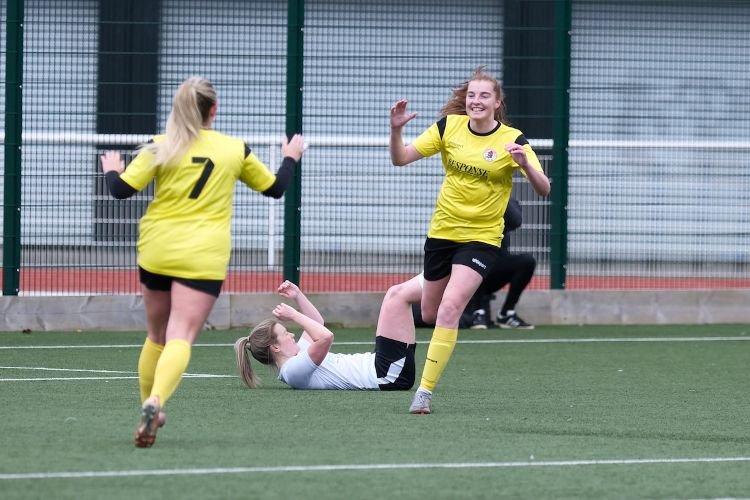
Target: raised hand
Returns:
[[285, 312], [289, 290], [399, 116], [293, 147], [111, 162]]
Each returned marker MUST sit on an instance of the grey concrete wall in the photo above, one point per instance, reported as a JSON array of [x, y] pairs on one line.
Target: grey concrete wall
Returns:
[[623, 307], [361, 309]]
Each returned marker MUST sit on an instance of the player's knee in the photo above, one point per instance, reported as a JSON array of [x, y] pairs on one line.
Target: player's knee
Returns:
[[529, 262], [396, 293]]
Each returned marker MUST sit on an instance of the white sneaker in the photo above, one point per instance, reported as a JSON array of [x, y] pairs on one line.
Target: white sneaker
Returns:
[[421, 404]]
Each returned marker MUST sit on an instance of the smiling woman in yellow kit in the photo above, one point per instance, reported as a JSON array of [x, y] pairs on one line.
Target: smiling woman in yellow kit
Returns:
[[480, 153]]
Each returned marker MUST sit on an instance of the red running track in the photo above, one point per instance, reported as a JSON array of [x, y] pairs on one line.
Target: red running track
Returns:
[[49, 281]]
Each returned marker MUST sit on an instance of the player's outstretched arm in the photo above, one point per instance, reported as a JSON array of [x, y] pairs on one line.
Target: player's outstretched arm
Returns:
[[401, 154]]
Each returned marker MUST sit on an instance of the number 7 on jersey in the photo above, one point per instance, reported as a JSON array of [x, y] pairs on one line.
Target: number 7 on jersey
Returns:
[[208, 167]]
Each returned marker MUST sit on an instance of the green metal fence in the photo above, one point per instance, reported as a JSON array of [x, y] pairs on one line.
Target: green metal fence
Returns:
[[637, 110]]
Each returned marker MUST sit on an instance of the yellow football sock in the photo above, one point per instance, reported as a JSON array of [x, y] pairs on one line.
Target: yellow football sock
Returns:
[[438, 353], [147, 366], [172, 364]]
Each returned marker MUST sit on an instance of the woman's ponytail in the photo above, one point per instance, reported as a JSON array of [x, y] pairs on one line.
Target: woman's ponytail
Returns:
[[258, 345], [191, 107]]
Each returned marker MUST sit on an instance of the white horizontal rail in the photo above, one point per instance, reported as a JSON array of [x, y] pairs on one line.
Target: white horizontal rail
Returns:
[[692, 145], [373, 141]]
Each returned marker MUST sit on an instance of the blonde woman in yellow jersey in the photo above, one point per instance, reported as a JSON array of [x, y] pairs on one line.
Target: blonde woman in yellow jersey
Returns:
[[184, 237], [480, 153]]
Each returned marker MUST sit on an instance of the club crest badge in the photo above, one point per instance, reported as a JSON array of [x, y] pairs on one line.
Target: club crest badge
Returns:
[[490, 155]]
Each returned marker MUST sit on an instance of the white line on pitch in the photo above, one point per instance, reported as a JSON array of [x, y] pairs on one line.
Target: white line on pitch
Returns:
[[64, 379], [363, 467], [100, 346], [624, 339], [132, 377], [44, 368]]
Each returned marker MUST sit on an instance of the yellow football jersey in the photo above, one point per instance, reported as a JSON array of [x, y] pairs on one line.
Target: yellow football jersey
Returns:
[[478, 178], [186, 230]]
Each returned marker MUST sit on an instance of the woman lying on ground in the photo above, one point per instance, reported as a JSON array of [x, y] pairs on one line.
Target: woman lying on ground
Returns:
[[310, 364]]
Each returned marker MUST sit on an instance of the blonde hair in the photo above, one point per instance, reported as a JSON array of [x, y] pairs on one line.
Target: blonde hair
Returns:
[[258, 345], [191, 107], [456, 104]]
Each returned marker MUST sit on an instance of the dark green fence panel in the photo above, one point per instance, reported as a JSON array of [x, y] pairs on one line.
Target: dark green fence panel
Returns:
[[640, 122], [13, 66]]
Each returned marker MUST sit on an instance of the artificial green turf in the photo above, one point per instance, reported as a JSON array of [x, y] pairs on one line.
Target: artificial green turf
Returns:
[[497, 403]]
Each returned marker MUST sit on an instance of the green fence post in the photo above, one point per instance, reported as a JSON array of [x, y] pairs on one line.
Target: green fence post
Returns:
[[293, 196], [561, 133], [13, 141]]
